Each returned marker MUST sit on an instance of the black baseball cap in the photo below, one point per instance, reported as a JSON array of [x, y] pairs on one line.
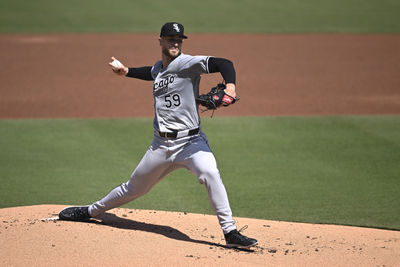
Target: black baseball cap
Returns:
[[172, 29]]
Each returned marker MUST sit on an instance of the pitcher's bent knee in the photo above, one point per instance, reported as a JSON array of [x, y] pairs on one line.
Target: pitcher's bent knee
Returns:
[[208, 176]]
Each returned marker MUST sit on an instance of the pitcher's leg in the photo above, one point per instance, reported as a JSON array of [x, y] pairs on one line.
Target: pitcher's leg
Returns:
[[151, 169], [204, 166]]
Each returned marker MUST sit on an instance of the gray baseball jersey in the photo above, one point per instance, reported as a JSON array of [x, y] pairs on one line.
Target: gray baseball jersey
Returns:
[[175, 88]]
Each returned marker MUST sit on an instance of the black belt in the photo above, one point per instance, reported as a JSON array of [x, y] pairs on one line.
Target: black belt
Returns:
[[179, 134]]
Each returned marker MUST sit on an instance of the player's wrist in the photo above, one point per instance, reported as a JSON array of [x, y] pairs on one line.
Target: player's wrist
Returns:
[[230, 89]]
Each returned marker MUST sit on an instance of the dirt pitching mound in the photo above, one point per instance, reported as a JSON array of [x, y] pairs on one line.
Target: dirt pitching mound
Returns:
[[125, 237]]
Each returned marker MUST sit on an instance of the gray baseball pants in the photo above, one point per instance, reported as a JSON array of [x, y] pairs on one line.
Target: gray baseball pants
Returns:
[[163, 157]]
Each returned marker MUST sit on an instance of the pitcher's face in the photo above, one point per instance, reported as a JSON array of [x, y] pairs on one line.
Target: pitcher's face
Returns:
[[171, 45]]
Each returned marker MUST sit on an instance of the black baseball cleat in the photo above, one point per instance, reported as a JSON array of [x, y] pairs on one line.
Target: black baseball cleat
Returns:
[[75, 214], [234, 239]]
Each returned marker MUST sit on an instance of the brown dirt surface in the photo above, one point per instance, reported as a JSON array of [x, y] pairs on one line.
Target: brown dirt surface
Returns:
[[68, 75], [127, 237]]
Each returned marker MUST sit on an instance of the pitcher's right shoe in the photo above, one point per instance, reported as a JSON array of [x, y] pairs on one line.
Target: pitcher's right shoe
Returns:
[[75, 214], [234, 239]]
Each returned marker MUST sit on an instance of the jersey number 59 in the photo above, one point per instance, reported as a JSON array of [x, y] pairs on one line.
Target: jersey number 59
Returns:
[[172, 100]]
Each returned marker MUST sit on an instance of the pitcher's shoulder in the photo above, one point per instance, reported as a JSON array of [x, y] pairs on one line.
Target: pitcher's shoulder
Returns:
[[156, 69]]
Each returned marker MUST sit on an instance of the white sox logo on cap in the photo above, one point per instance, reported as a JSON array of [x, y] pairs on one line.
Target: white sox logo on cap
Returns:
[[176, 27], [173, 28]]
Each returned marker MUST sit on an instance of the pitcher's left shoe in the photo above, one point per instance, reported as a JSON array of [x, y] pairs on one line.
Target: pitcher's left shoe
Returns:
[[234, 239]]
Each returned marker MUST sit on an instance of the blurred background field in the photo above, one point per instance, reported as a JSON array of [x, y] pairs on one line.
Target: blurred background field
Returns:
[[207, 16]]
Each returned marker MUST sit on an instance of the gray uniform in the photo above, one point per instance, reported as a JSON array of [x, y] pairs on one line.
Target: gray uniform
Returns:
[[174, 93], [176, 111]]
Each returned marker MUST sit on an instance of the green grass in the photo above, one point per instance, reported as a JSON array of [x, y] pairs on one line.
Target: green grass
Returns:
[[339, 170], [248, 16]]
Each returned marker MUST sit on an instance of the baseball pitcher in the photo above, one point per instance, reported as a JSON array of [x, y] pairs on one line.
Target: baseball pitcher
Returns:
[[178, 139]]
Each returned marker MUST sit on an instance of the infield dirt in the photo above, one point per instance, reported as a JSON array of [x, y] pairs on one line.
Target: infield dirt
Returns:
[[67, 76], [55, 76], [124, 237]]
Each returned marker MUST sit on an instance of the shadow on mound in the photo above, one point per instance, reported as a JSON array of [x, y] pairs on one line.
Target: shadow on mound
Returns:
[[111, 220]]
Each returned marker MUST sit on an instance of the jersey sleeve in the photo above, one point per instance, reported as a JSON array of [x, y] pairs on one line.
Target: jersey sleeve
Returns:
[[197, 64], [156, 69]]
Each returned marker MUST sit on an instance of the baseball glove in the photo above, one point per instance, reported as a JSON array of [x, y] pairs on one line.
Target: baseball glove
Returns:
[[215, 98]]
